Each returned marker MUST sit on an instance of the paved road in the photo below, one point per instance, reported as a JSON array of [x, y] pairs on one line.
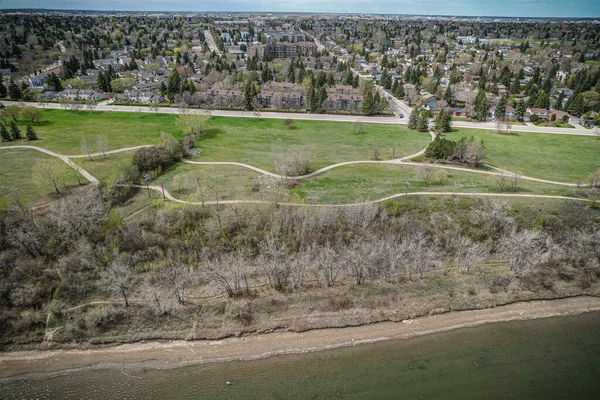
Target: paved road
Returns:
[[211, 42], [313, 117]]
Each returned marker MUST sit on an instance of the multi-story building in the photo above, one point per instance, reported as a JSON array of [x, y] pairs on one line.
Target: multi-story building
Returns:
[[283, 49]]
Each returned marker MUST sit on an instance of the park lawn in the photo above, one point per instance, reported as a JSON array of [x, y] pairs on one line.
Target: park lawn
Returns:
[[197, 183], [105, 168], [249, 140], [61, 130], [259, 142], [564, 158], [16, 178], [367, 182], [342, 185]]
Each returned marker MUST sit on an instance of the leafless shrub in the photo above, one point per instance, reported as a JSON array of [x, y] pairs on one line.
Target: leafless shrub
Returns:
[[424, 173], [102, 144], [118, 279], [79, 214], [329, 264], [230, 272], [523, 249], [292, 164]]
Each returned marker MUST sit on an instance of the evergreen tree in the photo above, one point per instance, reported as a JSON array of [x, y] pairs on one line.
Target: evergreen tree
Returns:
[[401, 92], [515, 86], [449, 95], [543, 100], [519, 110], [291, 74], [330, 80], [311, 98], [559, 101], [395, 87], [54, 82], [383, 106], [14, 92], [368, 103], [173, 83], [500, 110], [355, 82], [4, 133], [481, 107], [577, 107], [413, 119], [321, 97], [423, 123], [249, 94], [3, 90], [30, 133], [15, 131]]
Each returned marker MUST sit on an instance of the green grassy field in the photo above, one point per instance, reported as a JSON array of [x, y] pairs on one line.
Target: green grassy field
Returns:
[[61, 131], [105, 168], [16, 168], [347, 184], [565, 158], [357, 183], [260, 142], [249, 140]]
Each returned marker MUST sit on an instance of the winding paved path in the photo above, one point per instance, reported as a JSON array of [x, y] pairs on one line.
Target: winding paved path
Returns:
[[399, 161], [169, 196]]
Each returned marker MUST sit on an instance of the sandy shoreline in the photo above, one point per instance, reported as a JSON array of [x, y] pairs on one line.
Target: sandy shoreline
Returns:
[[161, 355]]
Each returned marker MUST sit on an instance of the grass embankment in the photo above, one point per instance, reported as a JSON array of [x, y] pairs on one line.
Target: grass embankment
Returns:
[[566, 158], [16, 177]]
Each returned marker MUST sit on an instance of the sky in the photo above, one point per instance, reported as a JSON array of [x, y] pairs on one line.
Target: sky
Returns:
[[500, 8]]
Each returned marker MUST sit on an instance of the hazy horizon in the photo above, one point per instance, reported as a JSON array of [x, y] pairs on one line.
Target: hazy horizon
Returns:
[[466, 8]]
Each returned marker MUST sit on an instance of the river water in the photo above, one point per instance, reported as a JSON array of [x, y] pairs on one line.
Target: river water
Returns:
[[554, 358]]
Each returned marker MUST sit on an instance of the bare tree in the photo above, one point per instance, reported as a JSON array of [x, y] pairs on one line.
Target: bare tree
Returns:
[[425, 172], [102, 144], [515, 180], [420, 254], [289, 123], [49, 173], [467, 253], [118, 279], [502, 180], [86, 147], [274, 261], [230, 272], [523, 249], [177, 277], [154, 106], [91, 105], [358, 126], [79, 214], [376, 153], [328, 262]]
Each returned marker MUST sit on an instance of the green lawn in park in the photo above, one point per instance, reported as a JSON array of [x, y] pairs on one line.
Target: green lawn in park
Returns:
[[16, 177], [260, 142], [343, 185], [564, 158]]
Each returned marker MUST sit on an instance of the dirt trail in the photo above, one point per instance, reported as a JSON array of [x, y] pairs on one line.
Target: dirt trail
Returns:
[[178, 353]]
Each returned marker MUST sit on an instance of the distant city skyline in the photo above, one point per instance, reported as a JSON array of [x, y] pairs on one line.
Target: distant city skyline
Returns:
[[506, 8]]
